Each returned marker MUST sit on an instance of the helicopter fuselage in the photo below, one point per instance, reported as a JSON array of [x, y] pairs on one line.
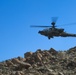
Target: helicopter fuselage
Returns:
[[51, 32]]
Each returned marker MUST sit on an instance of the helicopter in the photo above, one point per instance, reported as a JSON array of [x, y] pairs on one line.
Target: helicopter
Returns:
[[52, 31]]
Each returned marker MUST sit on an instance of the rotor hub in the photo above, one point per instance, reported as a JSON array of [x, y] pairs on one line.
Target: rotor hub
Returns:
[[53, 24]]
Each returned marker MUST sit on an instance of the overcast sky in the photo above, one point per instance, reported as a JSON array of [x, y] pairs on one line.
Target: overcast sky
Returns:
[[16, 16]]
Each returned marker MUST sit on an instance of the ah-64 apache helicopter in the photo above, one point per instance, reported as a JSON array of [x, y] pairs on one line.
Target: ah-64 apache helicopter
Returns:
[[52, 31]]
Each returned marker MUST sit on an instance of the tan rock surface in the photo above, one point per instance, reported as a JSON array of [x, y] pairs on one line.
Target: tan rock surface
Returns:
[[46, 62]]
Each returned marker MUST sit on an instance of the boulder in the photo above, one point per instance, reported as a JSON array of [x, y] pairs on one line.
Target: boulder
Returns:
[[60, 73], [21, 59], [71, 50], [53, 51], [9, 63], [39, 50], [28, 54], [24, 65], [47, 53], [21, 66], [15, 61], [22, 73], [38, 57], [17, 73], [71, 65]]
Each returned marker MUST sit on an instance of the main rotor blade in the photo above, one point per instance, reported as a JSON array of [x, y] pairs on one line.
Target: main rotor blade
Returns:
[[67, 24], [54, 19], [39, 26]]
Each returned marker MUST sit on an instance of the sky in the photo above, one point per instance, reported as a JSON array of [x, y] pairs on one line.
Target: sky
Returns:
[[16, 16]]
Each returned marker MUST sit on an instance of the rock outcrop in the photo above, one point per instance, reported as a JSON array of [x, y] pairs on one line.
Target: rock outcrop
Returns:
[[41, 62]]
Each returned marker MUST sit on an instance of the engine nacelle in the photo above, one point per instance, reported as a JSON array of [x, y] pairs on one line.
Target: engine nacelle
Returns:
[[61, 30]]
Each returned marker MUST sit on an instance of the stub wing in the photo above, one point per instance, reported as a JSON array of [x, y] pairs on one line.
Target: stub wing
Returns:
[[64, 34]]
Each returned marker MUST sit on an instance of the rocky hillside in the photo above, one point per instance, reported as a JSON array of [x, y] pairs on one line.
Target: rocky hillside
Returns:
[[41, 62]]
